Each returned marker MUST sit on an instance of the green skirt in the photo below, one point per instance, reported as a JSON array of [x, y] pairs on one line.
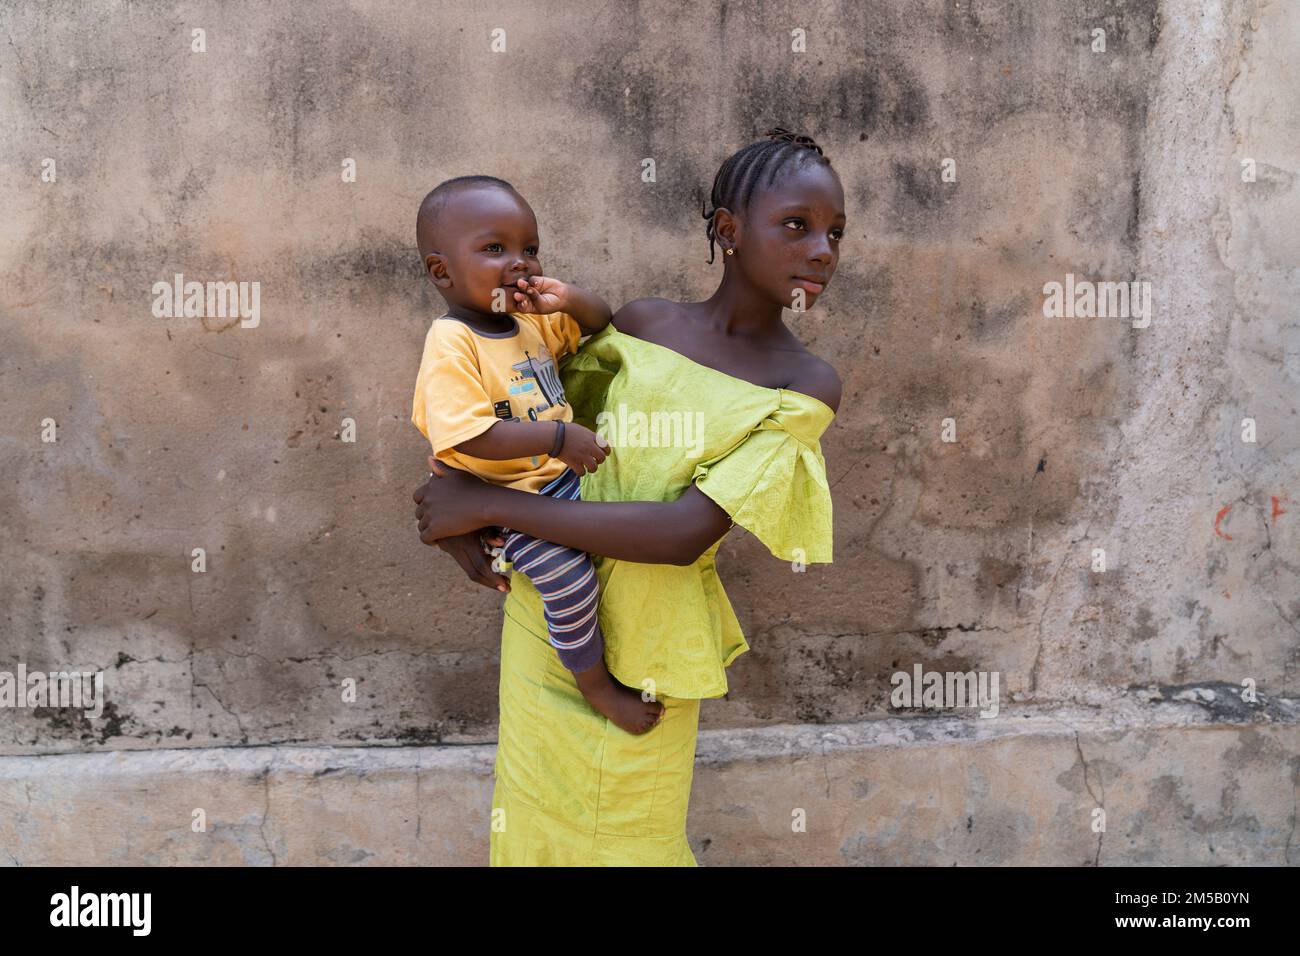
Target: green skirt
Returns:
[[572, 789]]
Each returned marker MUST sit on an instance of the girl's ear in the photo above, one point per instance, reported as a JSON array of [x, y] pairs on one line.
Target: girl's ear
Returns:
[[435, 267], [725, 226]]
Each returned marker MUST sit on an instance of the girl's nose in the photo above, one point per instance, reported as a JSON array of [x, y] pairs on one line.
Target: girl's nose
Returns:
[[821, 253]]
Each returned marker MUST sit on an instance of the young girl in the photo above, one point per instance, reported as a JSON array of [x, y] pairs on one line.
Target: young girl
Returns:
[[572, 788]]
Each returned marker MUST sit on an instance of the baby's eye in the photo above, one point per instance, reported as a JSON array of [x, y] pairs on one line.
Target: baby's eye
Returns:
[[492, 247], [531, 250]]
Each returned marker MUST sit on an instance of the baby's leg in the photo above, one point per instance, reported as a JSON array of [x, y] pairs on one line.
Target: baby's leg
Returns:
[[566, 580]]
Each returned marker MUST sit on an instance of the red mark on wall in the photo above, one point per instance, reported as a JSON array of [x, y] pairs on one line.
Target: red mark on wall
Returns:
[[1277, 501], [1219, 517]]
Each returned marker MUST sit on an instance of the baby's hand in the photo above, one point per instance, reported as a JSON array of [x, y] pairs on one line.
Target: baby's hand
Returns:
[[583, 449], [540, 295]]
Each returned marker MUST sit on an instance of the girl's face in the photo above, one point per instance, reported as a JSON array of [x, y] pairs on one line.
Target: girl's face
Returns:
[[789, 237]]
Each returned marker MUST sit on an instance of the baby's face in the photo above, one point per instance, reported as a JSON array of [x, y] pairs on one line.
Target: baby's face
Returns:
[[495, 244]]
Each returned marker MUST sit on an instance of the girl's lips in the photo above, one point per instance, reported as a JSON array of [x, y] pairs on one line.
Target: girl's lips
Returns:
[[808, 285]]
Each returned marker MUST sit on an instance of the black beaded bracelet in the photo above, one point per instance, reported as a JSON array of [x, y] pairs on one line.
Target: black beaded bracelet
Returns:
[[559, 439]]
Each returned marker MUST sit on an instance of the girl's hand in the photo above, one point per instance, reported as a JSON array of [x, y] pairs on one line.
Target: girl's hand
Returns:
[[468, 551], [539, 295], [450, 503]]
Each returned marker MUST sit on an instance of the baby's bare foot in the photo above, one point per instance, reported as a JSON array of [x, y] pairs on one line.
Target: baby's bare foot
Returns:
[[621, 704]]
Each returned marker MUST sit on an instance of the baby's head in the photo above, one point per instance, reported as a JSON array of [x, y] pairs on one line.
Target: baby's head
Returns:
[[476, 237], [778, 213]]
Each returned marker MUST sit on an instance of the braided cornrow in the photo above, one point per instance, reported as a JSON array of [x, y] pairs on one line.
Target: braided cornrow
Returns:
[[740, 173]]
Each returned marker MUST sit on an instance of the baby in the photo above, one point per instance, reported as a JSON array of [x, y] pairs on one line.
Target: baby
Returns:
[[489, 399]]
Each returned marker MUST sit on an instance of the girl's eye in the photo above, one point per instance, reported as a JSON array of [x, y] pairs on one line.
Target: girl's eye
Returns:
[[837, 234], [794, 222]]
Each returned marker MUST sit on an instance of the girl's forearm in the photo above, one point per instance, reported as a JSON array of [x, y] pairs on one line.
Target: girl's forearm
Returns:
[[589, 310], [648, 532]]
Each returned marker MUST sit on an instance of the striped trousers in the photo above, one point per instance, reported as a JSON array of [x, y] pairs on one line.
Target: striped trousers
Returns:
[[566, 580]]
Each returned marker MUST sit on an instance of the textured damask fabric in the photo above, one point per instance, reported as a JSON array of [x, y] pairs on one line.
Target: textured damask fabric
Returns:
[[572, 789], [755, 451]]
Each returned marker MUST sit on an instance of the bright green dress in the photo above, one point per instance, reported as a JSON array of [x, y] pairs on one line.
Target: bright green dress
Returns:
[[571, 787]]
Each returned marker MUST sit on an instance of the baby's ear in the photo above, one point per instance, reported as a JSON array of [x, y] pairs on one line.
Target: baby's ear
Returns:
[[435, 269]]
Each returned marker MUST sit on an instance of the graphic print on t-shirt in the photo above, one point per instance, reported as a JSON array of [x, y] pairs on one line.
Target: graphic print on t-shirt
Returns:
[[536, 383]]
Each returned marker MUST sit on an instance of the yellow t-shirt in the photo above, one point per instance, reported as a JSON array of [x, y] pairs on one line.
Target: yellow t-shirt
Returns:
[[470, 380]]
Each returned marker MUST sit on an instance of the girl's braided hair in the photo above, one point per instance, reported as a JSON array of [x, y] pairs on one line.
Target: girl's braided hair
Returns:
[[763, 160]]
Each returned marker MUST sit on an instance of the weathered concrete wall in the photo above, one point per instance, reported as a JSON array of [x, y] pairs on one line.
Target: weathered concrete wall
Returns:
[[1178, 783], [1072, 433]]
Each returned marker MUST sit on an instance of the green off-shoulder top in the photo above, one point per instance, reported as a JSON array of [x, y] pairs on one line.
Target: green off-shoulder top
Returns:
[[671, 421]]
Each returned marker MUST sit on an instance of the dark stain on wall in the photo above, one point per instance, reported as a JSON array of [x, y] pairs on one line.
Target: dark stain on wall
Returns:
[[918, 186]]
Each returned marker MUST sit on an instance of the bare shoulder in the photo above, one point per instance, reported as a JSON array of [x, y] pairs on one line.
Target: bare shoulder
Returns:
[[818, 378], [639, 316]]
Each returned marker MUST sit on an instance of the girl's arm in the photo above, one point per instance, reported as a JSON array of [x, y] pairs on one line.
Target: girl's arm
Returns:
[[647, 532], [589, 310]]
